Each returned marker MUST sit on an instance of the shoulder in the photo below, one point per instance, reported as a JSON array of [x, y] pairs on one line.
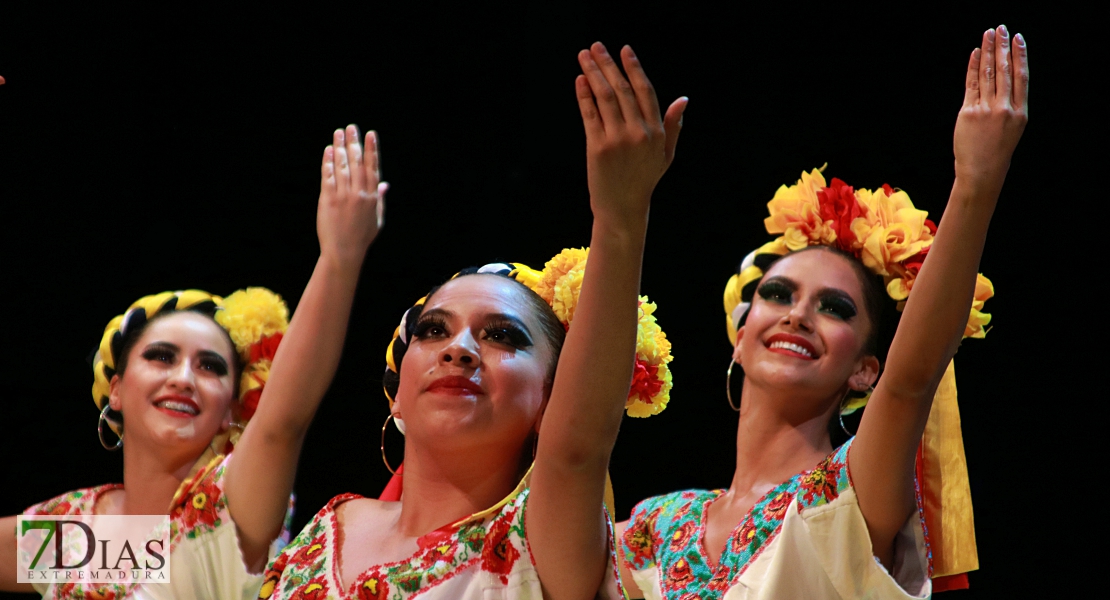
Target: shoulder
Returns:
[[670, 505], [76, 502], [673, 517], [827, 481]]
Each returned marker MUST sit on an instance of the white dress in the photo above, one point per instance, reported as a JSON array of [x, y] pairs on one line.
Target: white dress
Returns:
[[805, 539], [482, 557], [204, 545]]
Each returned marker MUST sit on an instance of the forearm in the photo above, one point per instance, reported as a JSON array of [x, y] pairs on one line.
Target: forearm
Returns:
[[261, 477], [587, 402], [308, 356], [936, 312]]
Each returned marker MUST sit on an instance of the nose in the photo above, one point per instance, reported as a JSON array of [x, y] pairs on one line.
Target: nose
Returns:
[[181, 376], [800, 316], [462, 351]]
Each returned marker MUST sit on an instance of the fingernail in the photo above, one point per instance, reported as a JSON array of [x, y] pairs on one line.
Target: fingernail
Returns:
[[339, 135], [1002, 31], [601, 47], [631, 52], [990, 35], [1020, 40]]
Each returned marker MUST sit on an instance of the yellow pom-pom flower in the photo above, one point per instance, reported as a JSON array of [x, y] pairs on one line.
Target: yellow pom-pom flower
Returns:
[[252, 314]]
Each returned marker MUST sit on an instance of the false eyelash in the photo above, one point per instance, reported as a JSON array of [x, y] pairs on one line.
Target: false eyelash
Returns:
[[839, 307], [425, 324], [774, 291], [517, 337]]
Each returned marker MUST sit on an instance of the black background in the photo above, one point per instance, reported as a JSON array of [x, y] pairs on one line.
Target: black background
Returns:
[[150, 151]]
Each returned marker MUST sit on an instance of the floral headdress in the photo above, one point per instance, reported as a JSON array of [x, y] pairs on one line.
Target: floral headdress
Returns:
[[560, 283], [254, 318], [891, 237]]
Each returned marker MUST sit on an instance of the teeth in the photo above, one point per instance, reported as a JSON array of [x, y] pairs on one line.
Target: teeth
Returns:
[[178, 406], [792, 347]]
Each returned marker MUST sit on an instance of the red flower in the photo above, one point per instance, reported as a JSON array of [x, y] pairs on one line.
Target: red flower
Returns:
[[499, 555], [645, 383], [265, 348], [307, 554], [838, 204], [679, 574], [682, 536], [373, 587], [199, 506], [317, 589], [638, 540], [250, 403], [820, 483], [775, 509], [272, 576], [100, 592], [744, 538]]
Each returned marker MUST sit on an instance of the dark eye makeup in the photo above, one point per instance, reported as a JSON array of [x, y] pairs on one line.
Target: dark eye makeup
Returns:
[[830, 301], [506, 330], [167, 353], [838, 305], [777, 290]]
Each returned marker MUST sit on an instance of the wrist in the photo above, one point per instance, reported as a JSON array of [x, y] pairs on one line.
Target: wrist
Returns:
[[336, 265], [626, 233]]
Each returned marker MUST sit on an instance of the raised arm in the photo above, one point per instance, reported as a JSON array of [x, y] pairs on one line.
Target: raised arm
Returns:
[[629, 146], [988, 128], [260, 478]]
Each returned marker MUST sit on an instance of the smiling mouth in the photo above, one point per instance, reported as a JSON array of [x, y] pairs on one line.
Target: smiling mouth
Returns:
[[177, 408]]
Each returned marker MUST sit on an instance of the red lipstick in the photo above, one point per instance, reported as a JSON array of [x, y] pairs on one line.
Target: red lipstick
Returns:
[[455, 385], [791, 345]]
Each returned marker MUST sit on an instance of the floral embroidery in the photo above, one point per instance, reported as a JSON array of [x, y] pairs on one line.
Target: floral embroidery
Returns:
[[494, 545], [682, 535], [665, 532], [373, 587]]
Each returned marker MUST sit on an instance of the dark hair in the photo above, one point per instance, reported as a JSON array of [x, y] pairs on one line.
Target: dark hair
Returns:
[[550, 326], [882, 315], [135, 330]]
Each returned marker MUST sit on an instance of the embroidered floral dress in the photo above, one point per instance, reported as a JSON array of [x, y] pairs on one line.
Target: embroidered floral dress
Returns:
[[806, 538], [483, 556], [204, 545]]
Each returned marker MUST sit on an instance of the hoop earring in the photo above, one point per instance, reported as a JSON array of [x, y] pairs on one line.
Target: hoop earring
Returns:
[[842, 427], [384, 459], [728, 387], [100, 430]]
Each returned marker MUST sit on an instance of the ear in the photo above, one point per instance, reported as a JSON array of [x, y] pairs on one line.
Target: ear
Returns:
[[229, 416], [114, 399], [867, 372], [736, 348]]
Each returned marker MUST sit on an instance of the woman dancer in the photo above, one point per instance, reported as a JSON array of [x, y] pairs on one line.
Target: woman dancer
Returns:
[[477, 380], [167, 376], [808, 344]]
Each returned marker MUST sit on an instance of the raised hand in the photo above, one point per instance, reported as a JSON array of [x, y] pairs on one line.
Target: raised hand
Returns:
[[352, 197], [628, 144], [995, 109]]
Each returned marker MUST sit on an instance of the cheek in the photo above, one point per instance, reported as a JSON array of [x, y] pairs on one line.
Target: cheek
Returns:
[[843, 341], [516, 378]]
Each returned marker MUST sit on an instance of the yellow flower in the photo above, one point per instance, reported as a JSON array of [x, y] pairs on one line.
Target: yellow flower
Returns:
[[566, 291], [976, 322], [251, 314], [557, 267], [795, 213]]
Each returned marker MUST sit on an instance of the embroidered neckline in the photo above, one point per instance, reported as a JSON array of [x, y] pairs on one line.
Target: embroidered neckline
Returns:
[[676, 525]]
